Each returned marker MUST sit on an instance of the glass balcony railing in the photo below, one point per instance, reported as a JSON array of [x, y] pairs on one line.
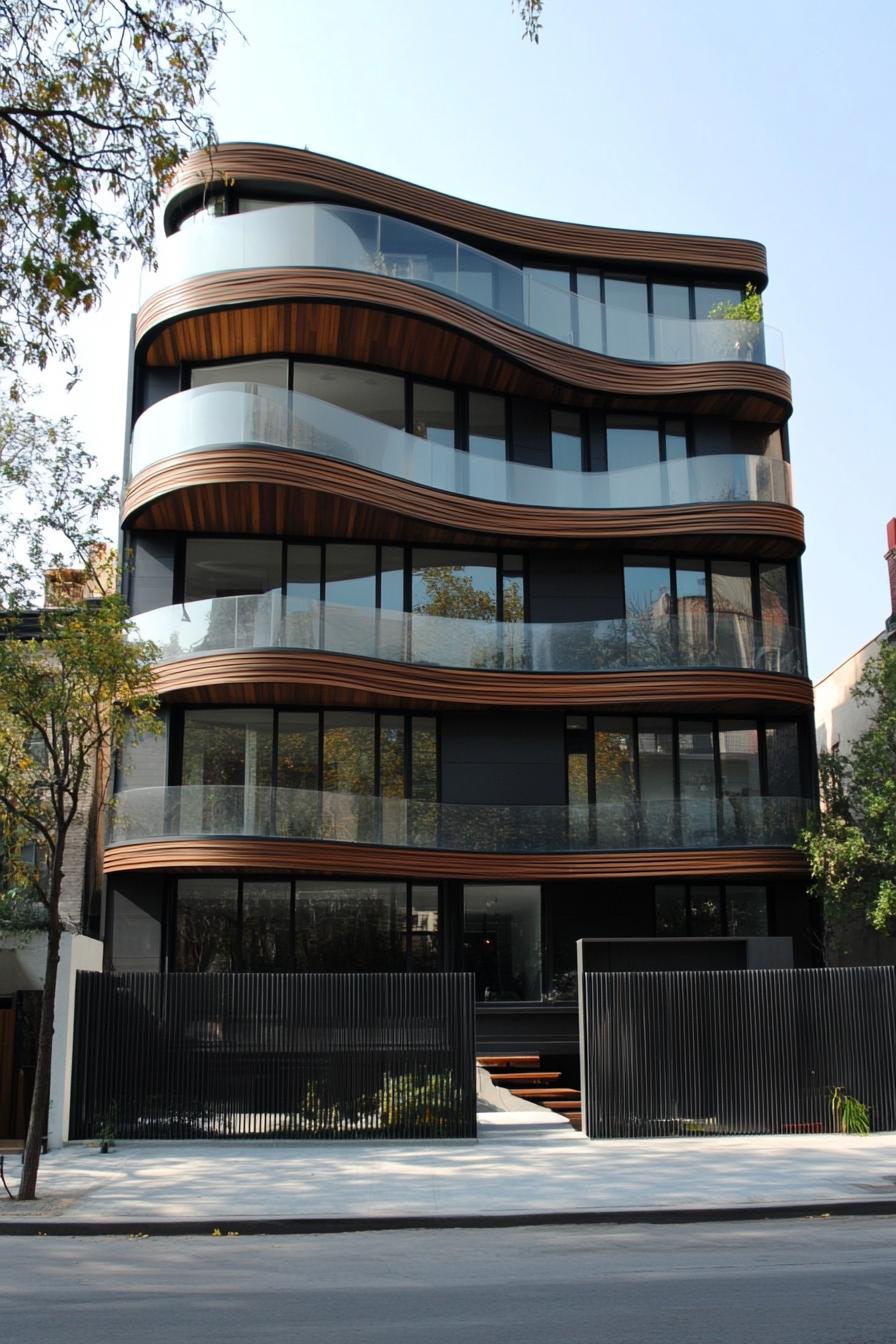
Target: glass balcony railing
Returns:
[[276, 620], [239, 415], [213, 810], [335, 237]]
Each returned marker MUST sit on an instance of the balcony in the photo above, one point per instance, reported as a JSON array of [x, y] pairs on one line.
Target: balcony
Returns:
[[332, 237], [197, 811], [241, 415], [276, 620]]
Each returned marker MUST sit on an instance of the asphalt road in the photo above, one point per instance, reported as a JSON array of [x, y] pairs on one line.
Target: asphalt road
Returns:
[[812, 1280]]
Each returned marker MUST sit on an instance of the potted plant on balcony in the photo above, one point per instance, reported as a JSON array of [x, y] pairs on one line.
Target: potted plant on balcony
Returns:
[[746, 335]]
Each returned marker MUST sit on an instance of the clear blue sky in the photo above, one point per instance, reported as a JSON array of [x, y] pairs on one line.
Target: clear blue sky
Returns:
[[772, 121]]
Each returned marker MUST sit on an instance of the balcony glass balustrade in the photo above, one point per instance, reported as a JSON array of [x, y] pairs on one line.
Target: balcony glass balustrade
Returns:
[[212, 810], [276, 620], [334, 237], [239, 415]]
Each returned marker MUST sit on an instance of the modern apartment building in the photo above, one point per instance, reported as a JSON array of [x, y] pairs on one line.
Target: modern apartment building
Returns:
[[469, 545]]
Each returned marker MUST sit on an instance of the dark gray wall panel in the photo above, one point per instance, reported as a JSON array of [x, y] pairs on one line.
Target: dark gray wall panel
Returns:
[[503, 758], [575, 586]]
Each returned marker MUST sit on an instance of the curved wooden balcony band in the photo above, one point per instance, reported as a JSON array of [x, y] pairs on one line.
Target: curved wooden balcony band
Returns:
[[206, 474], [373, 681], [248, 292], [317, 175], [261, 855]]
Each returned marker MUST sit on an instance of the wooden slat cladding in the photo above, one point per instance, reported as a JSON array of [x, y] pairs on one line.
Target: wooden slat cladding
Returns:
[[200, 481], [324, 178], [258, 317], [245, 855], [268, 675]]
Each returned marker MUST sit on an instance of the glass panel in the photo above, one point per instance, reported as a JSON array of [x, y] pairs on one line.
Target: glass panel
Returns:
[[776, 654], [691, 612], [675, 438], [207, 930], [454, 583], [628, 325], [434, 413], [303, 572], [656, 777], [350, 926], [732, 600], [378, 396], [513, 595], [348, 752], [424, 928], [707, 297], [267, 927], [589, 311], [502, 941], [671, 910], [392, 781], [424, 759], [632, 441], [671, 332], [392, 578], [566, 440], [739, 762], [747, 909], [227, 747], [697, 782], [648, 588], [488, 434], [298, 749], [577, 777], [614, 779], [260, 372], [706, 912], [228, 568], [782, 747], [549, 306], [351, 575]]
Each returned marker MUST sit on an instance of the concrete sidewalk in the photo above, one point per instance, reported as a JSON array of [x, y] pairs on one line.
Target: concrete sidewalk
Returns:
[[518, 1171]]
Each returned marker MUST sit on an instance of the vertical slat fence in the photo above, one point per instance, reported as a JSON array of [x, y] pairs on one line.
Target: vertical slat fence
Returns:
[[274, 1056], [735, 1052]]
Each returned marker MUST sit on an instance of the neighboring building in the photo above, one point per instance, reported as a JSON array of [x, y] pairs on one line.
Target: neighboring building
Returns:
[[469, 543]]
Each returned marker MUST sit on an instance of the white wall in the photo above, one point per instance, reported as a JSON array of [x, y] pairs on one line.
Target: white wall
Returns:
[[839, 720]]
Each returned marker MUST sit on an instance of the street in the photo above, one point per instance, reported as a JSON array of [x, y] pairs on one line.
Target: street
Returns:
[[815, 1280]]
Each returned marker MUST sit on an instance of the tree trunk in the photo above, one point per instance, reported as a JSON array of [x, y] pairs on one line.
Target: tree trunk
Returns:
[[40, 1099]]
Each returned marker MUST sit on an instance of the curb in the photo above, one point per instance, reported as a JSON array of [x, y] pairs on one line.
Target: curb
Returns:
[[250, 1227]]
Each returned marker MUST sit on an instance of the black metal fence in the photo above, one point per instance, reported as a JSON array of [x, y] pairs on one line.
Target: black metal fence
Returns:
[[736, 1052], [273, 1056]]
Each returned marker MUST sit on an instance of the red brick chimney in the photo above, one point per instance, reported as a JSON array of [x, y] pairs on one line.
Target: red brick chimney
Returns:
[[890, 558]]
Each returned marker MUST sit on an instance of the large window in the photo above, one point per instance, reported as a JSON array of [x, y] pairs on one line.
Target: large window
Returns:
[[376, 396], [711, 910], [502, 941], [280, 924]]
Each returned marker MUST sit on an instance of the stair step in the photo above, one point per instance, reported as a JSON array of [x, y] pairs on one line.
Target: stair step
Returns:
[[507, 1061], [564, 1105], [541, 1092], [502, 1078]]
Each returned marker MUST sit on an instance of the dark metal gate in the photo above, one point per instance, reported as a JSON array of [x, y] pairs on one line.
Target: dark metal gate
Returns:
[[735, 1052], [273, 1056]]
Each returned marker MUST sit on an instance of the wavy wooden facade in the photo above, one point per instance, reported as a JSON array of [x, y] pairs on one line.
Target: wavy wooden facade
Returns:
[[288, 676], [268, 856], [298, 173]]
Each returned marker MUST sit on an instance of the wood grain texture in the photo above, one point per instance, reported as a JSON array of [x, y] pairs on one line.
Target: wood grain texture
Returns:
[[296, 856], [201, 478], [282, 674], [248, 292], [316, 176]]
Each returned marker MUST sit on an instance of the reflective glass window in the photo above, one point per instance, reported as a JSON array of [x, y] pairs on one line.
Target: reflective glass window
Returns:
[[227, 766], [782, 748], [707, 297], [261, 372], [349, 752], [424, 928], [697, 781], [377, 396], [675, 440], [739, 758], [732, 600], [671, 902], [705, 912], [671, 329], [589, 311], [566, 440], [392, 765], [298, 749], [747, 911], [513, 591], [691, 611], [648, 588], [434, 414], [226, 567], [502, 941], [207, 934], [350, 926], [628, 324], [392, 578], [656, 779], [460, 584], [632, 441], [351, 575], [487, 426], [303, 572], [267, 926], [777, 643], [614, 780], [424, 758]]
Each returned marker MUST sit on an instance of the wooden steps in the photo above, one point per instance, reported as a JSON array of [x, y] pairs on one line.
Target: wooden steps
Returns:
[[506, 1070]]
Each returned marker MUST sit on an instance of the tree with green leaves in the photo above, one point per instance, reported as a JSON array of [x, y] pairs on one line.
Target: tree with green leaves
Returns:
[[851, 847], [99, 102], [68, 701], [530, 13]]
